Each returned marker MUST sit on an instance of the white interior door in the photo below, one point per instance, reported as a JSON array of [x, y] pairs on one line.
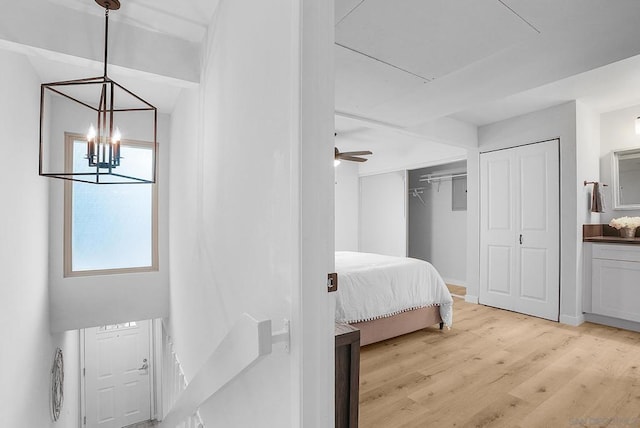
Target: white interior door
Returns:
[[520, 233], [383, 215], [116, 375]]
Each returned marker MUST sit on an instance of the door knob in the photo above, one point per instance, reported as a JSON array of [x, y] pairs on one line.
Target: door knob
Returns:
[[145, 365]]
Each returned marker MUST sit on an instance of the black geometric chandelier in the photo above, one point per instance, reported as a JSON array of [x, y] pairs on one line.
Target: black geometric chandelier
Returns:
[[72, 107]]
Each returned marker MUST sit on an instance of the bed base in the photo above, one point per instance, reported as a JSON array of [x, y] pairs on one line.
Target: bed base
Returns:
[[402, 323]]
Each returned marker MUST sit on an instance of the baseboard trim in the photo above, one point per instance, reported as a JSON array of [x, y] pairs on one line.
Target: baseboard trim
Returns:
[[471, 299], [457, 282], [612, 322], [571, 320]]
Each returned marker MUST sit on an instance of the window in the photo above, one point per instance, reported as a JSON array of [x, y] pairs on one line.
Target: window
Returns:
[[120, 326], [109, 228]]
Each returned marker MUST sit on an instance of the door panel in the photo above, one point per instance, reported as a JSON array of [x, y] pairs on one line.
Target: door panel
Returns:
[[521, 184], [498, 194], [106, 410], [497, 230], [533, 196], [117, 384], [499, 278], [616, 288], [533, 263]]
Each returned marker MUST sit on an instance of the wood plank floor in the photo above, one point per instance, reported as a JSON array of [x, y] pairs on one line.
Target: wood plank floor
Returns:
[[457, 290], [496, 368]]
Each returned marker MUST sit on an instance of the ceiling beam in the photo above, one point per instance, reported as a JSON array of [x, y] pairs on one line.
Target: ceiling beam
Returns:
[[443, 130], [72, 33]]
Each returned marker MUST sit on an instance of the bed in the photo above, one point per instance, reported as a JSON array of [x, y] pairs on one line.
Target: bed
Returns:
[[388, 296]]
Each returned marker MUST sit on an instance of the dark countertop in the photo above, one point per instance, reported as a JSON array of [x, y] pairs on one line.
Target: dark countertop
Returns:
[[603, 233]]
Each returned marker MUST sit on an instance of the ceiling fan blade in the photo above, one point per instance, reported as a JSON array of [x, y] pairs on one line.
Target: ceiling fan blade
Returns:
[[360, 153], [352, 158]]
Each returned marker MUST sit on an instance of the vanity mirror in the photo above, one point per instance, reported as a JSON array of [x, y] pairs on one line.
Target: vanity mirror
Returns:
[[626, 179]]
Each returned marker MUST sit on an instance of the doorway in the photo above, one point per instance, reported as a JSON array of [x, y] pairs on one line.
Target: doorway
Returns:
[[117, 374], [437, 219]]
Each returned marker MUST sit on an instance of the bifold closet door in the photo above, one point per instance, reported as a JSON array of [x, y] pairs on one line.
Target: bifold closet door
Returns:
[[519, 229], [383, 219]]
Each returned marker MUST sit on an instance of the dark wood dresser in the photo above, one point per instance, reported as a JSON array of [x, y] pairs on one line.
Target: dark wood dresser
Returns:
[[347, 375]]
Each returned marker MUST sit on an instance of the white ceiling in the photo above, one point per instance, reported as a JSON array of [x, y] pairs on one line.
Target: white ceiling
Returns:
[[413, 36], [405, 64], [183, 19], [411, 63], [392, 149]]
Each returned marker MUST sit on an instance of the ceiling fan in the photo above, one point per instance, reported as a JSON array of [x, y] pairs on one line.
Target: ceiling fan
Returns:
[[351, 156]]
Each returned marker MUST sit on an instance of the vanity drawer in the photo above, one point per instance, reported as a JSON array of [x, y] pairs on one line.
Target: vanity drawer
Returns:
[[629, 253]]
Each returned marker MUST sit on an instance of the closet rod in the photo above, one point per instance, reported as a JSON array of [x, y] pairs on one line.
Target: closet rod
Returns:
[[429, 178]]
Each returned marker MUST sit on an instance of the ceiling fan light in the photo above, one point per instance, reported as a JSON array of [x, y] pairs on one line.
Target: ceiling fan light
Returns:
[[336, 162], [638, 125]]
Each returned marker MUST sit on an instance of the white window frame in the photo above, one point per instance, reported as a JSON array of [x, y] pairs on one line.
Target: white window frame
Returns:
[[68, 271]]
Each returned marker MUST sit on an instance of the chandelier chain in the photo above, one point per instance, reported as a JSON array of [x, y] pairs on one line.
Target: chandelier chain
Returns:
[[106, 36]]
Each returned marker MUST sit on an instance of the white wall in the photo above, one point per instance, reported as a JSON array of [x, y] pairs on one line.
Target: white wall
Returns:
[[27, 356], [555, 122], [587, 168], [251, 215], [436, 232], [89, 301], [347, 196], [383, 214], [617, 132]]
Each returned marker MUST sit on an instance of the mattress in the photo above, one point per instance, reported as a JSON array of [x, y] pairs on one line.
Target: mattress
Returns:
[[373, 286]]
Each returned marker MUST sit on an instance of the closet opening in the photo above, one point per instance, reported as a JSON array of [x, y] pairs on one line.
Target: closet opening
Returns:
[[437, 219]]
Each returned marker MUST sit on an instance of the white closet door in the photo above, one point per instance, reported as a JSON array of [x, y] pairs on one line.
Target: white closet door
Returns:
[[383, 220], [520, 234]]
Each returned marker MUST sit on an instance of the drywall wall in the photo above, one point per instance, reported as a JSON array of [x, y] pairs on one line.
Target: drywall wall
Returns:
[[27, 356], [346, 206], [617, 132], [436, 232], [89, 301], [587, 168], [251, 211], [554, 122], [383, 214]]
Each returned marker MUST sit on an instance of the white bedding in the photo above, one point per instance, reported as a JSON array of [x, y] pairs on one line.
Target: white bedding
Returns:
[[372, 286]]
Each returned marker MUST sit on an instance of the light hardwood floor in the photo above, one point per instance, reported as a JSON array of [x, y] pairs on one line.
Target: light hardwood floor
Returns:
[[496, 368], [457, 290]]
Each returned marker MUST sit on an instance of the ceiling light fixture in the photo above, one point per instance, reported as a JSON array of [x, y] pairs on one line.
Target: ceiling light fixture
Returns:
[[638, 125], [73, 105]]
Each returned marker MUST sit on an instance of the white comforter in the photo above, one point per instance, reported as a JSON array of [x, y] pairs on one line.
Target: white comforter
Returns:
[[372, 286]]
